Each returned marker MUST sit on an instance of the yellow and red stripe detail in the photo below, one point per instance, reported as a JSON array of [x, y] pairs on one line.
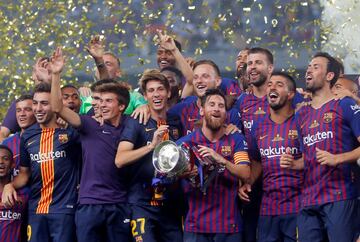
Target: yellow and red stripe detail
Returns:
[[47, 171], [241, 157]]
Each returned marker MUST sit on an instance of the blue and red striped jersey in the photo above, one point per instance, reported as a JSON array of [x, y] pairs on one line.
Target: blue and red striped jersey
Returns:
[[335, 128], [281, 187], [11, 219], [189, 114], [13, 142], [217, 210], [52, 156], [252, 108], [230, 87]]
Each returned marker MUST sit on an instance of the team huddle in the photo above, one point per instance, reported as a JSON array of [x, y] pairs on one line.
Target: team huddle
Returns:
[[79, 163]]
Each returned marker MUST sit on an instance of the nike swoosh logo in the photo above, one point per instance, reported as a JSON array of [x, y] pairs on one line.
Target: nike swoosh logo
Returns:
[[263, 137], [232, 93], [246, 110], [147, 129], [106, 132], [16, 156], [30, 142]]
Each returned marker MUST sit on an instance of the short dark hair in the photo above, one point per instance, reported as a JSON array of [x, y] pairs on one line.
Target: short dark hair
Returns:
[[266, 52], [4, 147], [42, 87], [290, 79], [113, 55], [122, 93], [332, 66], [208, 62], [212, 92], [150, 75], [24, 97], [173, 69], [97, 84], [70, 86]]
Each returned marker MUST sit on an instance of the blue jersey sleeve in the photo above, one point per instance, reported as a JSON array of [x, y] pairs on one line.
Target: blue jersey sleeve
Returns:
[[298, 128], [24, 155], [131, 130], [351, 113], [234, 118], [253, 147]]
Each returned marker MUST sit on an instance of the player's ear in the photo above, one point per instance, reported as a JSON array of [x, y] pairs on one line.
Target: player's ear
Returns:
[[201, 111], [122, 108]]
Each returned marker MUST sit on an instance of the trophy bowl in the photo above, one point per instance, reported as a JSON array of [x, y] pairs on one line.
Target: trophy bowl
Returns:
[[170, 159]]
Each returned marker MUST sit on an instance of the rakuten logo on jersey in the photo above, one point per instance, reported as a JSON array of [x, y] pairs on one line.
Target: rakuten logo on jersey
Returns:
[[43, 157], [318, 137], [248, 124], [275, 152], [9, 215]]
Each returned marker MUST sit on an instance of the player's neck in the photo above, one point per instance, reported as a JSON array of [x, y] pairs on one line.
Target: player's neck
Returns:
[[50, 125], [115, 121], [212, 135], [158, 114], [260, 91], [321, 96], [281, 115]]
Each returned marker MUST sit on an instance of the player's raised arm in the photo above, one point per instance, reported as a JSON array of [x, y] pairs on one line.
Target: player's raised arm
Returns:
[[56, 65], [96, 49]]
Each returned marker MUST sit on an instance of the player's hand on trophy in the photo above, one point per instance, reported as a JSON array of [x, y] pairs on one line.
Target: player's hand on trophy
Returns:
[[158, 135], [191, 171], [57, 61], [326, 158], [208, 152], [244, 192], [9, 196]]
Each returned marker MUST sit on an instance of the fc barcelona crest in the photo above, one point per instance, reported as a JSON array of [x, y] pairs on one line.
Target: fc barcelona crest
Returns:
[[293, 134], [328, 117], [260, 111], [226, 150], [63, 138]]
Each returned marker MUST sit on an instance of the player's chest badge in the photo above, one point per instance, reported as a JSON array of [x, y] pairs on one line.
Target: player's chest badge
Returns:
[[293, 134], [277, 138], [314, 124], [63, 138], [328, 117], [260, 111], [226, 150]]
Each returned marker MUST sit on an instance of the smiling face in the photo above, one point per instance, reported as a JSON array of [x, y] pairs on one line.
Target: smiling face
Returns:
[[205, 78], [6, 162], [316, 74], [278, 93], [241, 60], [24, 113], [42, 108], [109, 106], [164, 58], [258, 69], [156, 94], [214, 112]]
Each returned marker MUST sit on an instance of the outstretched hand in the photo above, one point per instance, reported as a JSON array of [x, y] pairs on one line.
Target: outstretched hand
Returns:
[[57, 61], [166, 41], [96, 47]]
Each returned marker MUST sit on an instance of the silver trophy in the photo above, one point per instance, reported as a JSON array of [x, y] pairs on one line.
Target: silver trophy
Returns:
[[170, 159]]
